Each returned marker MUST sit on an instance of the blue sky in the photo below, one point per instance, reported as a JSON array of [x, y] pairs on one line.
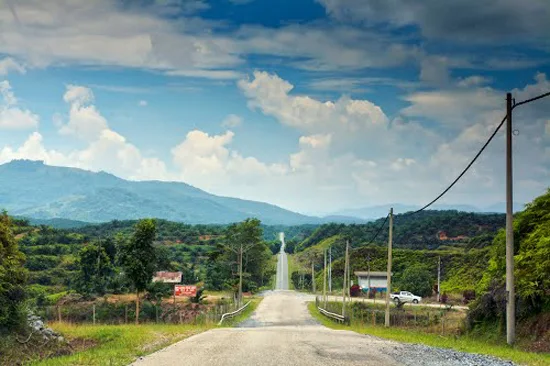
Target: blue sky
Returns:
[[315, 106]]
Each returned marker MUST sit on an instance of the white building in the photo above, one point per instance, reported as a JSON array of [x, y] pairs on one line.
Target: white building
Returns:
[[374, 280]]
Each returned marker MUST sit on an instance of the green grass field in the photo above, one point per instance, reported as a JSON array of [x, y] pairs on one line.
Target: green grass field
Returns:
[[463, 343], [122, 344]]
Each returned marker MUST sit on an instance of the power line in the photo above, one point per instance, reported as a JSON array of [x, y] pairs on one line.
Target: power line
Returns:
[[531, 100], [379, 230], [466, 169]]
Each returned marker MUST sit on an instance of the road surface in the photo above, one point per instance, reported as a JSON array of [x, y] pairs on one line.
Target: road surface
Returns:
[[282, 266], [281, 332]]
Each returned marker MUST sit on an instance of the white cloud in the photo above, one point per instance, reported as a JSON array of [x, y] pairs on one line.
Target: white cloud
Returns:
[[11, 116], [271, 95], [85, 121], [8, 64], [232, 121], [143, 103]]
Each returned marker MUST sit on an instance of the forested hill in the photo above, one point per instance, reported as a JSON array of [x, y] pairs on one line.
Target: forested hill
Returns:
[[425, 230], [35, 190]]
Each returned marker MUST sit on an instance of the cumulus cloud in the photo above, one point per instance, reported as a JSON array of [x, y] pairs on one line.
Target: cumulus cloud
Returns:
[[11, 116], [271, 94]]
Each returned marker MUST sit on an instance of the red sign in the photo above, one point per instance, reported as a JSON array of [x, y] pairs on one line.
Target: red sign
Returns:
[[183, 290]]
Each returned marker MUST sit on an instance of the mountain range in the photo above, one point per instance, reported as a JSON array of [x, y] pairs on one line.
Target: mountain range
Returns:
[[51, 194], [35, 190]]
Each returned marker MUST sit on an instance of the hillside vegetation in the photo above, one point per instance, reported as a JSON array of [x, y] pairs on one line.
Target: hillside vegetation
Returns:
[[77, 194]]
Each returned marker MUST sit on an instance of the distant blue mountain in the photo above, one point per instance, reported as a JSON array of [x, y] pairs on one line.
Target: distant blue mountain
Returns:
[[374, 212], [38, 191]]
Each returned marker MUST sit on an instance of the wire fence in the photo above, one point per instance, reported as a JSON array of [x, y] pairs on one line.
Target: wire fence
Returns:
[[105, 312], [442, 321]]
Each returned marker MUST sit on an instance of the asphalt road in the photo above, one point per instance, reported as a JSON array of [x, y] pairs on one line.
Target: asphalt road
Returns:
[[281, 282], [281, 332]]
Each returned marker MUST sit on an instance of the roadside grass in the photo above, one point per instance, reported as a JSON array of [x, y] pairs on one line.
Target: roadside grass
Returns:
[[117, 344], [123, 344], [254, 302], [460, 343]]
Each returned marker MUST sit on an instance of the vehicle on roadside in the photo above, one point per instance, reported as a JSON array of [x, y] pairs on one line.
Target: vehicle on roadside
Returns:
[[404, 297]]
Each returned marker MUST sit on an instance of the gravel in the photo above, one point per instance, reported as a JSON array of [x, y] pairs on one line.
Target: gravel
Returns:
[[416, 354]]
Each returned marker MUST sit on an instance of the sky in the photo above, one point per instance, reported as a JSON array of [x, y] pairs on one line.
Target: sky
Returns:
[[313, 105]]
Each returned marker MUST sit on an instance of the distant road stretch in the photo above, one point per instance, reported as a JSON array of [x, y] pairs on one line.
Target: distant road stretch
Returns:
[[282, 267]]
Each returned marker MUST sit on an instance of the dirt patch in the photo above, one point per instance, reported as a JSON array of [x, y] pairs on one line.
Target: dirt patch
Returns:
[[534, 333], [82, 344]]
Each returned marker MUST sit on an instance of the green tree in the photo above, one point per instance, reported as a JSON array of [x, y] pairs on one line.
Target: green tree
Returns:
[[138, 257], [95, 270], [243, 246], [12, 277], [417, 280]]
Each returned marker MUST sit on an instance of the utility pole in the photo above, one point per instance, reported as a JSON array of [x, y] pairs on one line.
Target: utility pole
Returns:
[[325, 280], [330, 269], [313, 276], [368, 276], [388, 286], [240, 275], [345, 285], [438, 278], [510, 290]]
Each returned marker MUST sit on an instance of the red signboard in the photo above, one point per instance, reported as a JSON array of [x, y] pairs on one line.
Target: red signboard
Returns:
[[183, 290]]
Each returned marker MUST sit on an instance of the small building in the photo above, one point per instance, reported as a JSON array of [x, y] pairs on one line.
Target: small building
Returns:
[[372, 279]]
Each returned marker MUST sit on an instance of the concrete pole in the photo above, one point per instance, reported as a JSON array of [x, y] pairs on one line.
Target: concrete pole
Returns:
[[439, 279], [325, 280], [510, 290], [330, 269], [345, 284], [388, 286], [240, 299], [313, 276]]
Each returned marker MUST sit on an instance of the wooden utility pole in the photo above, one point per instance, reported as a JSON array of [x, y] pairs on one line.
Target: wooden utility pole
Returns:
[[439, 279], [388, 286], [510, 288], [325, 280]]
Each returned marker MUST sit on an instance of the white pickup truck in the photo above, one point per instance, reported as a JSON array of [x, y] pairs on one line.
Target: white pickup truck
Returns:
[[405, 296]]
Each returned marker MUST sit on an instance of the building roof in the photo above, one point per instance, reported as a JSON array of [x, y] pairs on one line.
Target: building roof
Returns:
[[372, 274]]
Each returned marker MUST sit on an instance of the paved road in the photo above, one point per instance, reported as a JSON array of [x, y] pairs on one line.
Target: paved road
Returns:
[[281, 332], [282, 266]]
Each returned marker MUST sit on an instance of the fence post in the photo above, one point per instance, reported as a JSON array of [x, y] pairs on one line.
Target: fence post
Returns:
[[93, 313], [373, 318]]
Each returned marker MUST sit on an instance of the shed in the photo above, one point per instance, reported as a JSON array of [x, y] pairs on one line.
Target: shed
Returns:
[[372, 279]]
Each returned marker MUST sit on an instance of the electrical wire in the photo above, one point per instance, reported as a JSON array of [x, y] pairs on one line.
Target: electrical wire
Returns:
[[379, 230], [465, 169], [531, 100]]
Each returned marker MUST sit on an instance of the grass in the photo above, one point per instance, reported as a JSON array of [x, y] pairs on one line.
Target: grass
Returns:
[[122, 344], [462, 343], [117, 344]]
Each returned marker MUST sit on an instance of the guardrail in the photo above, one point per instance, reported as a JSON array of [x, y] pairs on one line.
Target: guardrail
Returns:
[[233, 313], [334, 316]]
